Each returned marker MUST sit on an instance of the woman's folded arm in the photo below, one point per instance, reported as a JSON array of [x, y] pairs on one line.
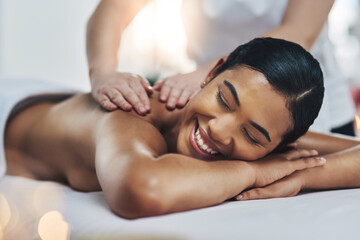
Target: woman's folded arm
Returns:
[[343, 166], [342, 170], [140, 186], [147, 187]]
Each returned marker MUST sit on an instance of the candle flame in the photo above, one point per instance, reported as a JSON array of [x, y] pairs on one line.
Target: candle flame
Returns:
[[357, 122]]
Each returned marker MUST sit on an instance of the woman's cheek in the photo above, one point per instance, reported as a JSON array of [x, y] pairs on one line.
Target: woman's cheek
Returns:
[[248, 153]]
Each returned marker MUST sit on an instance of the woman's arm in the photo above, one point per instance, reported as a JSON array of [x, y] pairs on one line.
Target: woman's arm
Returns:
[[326, 143], [139, 179], [342, 169]]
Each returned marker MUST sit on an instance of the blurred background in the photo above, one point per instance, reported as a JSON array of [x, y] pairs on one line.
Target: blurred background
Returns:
[[46, 39]]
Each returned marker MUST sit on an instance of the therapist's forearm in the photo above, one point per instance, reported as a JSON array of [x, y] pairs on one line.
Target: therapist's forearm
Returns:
[[103, 37], [104, 31], [302, 21], [342, 170]]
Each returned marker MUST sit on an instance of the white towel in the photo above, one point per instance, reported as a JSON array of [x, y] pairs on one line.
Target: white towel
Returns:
[[14, 90]]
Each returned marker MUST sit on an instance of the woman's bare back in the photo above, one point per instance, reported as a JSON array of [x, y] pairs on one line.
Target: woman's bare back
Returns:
[[57, 141]]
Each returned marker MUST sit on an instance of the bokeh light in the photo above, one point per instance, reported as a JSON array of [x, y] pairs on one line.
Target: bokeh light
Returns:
[[53, 227], [5, 212]]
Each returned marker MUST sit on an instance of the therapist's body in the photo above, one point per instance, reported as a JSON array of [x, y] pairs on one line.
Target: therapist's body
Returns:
[[214, 28]]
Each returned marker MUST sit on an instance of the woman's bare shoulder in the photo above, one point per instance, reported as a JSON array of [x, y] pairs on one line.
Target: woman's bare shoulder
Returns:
[[127, 132]]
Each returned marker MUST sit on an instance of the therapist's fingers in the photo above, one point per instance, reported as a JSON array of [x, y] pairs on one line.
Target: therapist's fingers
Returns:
[[107, 104], [141, 93], [184, 97], [173, 97], [165, 90], [158, 85], [146, 85], [132, 97], [116, 98]]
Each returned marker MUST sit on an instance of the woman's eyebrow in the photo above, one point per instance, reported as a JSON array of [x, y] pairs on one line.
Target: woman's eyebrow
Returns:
[[233, 91], [261, 130]]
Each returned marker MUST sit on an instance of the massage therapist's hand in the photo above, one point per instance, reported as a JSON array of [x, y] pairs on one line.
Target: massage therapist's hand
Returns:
[[125, 90], [177, 90], [278, 166]]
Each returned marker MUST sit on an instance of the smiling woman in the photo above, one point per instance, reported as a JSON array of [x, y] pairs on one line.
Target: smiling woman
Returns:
[[270, 92], [263, 96]]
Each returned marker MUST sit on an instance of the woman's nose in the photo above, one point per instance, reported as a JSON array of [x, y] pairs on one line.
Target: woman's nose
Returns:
[[220, 130]]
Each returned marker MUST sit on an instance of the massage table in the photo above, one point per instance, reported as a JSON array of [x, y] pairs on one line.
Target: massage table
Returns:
[[31, 209]]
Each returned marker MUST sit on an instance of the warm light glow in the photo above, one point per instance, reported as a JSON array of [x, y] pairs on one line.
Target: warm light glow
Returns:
[[357, 122], [1, 234], [53, 227], [5, 213], [41, 195], [155, 41]]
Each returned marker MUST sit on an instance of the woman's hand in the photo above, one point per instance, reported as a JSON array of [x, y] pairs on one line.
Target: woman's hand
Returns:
[[121, 89], [289, 186], [277, 166], [177, 90]]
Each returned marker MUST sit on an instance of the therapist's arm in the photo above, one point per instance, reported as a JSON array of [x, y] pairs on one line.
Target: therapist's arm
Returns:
[[302, 21], [112, 89]]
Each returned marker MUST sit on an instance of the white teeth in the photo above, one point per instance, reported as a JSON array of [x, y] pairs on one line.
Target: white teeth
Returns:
[[202, 145]]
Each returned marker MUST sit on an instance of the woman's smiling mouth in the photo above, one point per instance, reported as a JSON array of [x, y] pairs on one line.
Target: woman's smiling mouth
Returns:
[[202, 144]]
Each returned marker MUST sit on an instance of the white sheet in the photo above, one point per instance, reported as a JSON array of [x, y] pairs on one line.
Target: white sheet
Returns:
[[318, 215]]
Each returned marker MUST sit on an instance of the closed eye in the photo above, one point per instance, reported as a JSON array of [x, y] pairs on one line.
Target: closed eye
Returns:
[[221, 100], [251, 139]]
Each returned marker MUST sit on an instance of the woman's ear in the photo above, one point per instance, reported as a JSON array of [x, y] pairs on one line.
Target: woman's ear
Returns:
[[212, 73]]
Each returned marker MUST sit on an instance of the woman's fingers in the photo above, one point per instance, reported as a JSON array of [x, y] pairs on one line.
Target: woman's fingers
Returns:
[[300, 164], [255, 193], [292, 145], [299, 153], [275, 167], [287, 187]]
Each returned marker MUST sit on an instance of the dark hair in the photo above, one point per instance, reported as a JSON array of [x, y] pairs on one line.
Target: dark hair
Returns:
[[290, 70]]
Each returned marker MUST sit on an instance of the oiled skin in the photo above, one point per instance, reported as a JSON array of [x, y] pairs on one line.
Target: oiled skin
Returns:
[[57, 141], [134, 159]]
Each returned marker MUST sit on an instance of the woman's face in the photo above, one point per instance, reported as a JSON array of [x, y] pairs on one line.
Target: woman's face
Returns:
[[237, 115]]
